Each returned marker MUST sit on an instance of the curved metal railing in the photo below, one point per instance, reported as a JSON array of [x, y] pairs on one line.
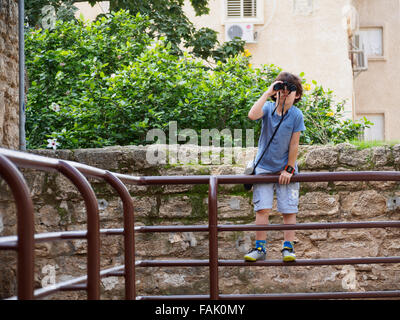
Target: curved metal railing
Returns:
[[78, 173]]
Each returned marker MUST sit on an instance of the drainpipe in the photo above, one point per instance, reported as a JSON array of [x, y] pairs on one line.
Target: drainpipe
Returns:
[[21, 58]]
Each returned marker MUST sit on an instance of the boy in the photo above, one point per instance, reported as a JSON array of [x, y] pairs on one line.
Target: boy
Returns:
[[280, 157]]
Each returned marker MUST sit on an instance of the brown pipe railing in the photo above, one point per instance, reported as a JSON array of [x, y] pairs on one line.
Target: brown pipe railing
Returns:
[[24, 242], [93, 226], [25, 226]]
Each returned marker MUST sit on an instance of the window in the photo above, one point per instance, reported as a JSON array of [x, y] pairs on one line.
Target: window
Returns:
[[241, 8], [372, 41], [303, 7], [377, 130]]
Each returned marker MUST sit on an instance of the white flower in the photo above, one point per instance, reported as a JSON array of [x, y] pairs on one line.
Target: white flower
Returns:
[[55, 107], [52, 143]]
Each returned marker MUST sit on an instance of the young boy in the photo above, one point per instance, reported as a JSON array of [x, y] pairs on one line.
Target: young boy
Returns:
[[280, 157]]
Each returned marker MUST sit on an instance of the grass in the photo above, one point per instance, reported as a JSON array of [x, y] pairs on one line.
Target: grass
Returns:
[[373, 143]]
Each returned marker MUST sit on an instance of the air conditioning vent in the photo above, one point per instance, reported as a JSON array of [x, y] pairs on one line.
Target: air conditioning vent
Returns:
[[244, 31]]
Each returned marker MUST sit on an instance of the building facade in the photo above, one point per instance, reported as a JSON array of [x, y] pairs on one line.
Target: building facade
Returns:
[[349, 46], [296, 35], [377, 90]]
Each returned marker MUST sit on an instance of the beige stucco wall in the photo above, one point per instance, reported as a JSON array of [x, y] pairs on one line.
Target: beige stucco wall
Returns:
[[90, 13], [377, 90], [314, 43]]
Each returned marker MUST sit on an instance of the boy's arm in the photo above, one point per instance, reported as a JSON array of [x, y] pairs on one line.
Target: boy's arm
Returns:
[[256, 110], [294, 148], [285, 176]]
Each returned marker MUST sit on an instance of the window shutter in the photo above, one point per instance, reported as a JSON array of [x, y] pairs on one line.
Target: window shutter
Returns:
[[250, 8], [241, 8], [234, 8]]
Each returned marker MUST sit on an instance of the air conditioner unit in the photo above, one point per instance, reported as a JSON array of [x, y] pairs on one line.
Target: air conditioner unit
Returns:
[[244, 31]]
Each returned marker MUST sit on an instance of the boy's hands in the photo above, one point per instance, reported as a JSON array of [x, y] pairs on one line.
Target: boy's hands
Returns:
[[285, 177], [271, 91], [256, 110]]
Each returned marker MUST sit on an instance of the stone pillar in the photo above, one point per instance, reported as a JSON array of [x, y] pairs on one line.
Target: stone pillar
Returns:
[[9, 101]]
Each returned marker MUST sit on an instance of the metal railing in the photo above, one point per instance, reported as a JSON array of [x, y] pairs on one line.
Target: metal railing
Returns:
[[77, 173]]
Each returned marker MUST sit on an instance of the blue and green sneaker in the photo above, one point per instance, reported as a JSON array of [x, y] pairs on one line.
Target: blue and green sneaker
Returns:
[[255, 254], [288, 254]]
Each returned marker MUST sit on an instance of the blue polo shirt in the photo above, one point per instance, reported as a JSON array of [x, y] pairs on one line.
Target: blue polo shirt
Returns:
[[276, 157]]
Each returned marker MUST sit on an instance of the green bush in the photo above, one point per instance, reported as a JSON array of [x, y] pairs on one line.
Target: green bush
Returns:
[[324, 118], [107, 83], [70, 67]]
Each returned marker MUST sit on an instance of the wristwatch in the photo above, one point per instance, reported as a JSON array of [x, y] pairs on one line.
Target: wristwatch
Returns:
[[289, 169]]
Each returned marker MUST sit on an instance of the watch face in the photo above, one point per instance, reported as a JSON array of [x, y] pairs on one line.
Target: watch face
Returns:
[[289, 169]]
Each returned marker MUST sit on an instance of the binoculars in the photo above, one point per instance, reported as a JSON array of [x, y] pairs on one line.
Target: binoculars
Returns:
[[281, 85]]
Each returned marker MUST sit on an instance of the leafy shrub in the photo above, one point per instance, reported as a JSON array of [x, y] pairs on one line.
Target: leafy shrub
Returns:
[[324, 118], [107, 83], [70, 67]]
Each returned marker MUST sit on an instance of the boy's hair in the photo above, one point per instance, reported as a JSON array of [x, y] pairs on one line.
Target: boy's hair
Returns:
[[289, 77]]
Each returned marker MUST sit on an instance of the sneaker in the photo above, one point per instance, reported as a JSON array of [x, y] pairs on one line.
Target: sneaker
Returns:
[[288, 254], [255, 254]]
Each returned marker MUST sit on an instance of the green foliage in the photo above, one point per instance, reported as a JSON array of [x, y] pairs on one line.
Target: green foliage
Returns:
[[324, 119], [362, 144], [168, 20], [63, 10], [70, 67], [108, 83]]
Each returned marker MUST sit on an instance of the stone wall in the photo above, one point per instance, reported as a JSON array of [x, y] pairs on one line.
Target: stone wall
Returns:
[[58, 206], [9, 105]]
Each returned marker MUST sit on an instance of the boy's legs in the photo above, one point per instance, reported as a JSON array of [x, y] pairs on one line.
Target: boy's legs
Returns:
[[259, 250], [289, 218], [288, 199], [262, 218], [262, 199]]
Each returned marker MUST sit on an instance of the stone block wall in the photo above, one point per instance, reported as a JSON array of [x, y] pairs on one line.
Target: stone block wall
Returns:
[[58, 206], [9, 105]]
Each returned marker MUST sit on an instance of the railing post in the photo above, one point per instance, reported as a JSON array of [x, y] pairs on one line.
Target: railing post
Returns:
[[25, 227], [93, 227], [213, 237], [129, 234]]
